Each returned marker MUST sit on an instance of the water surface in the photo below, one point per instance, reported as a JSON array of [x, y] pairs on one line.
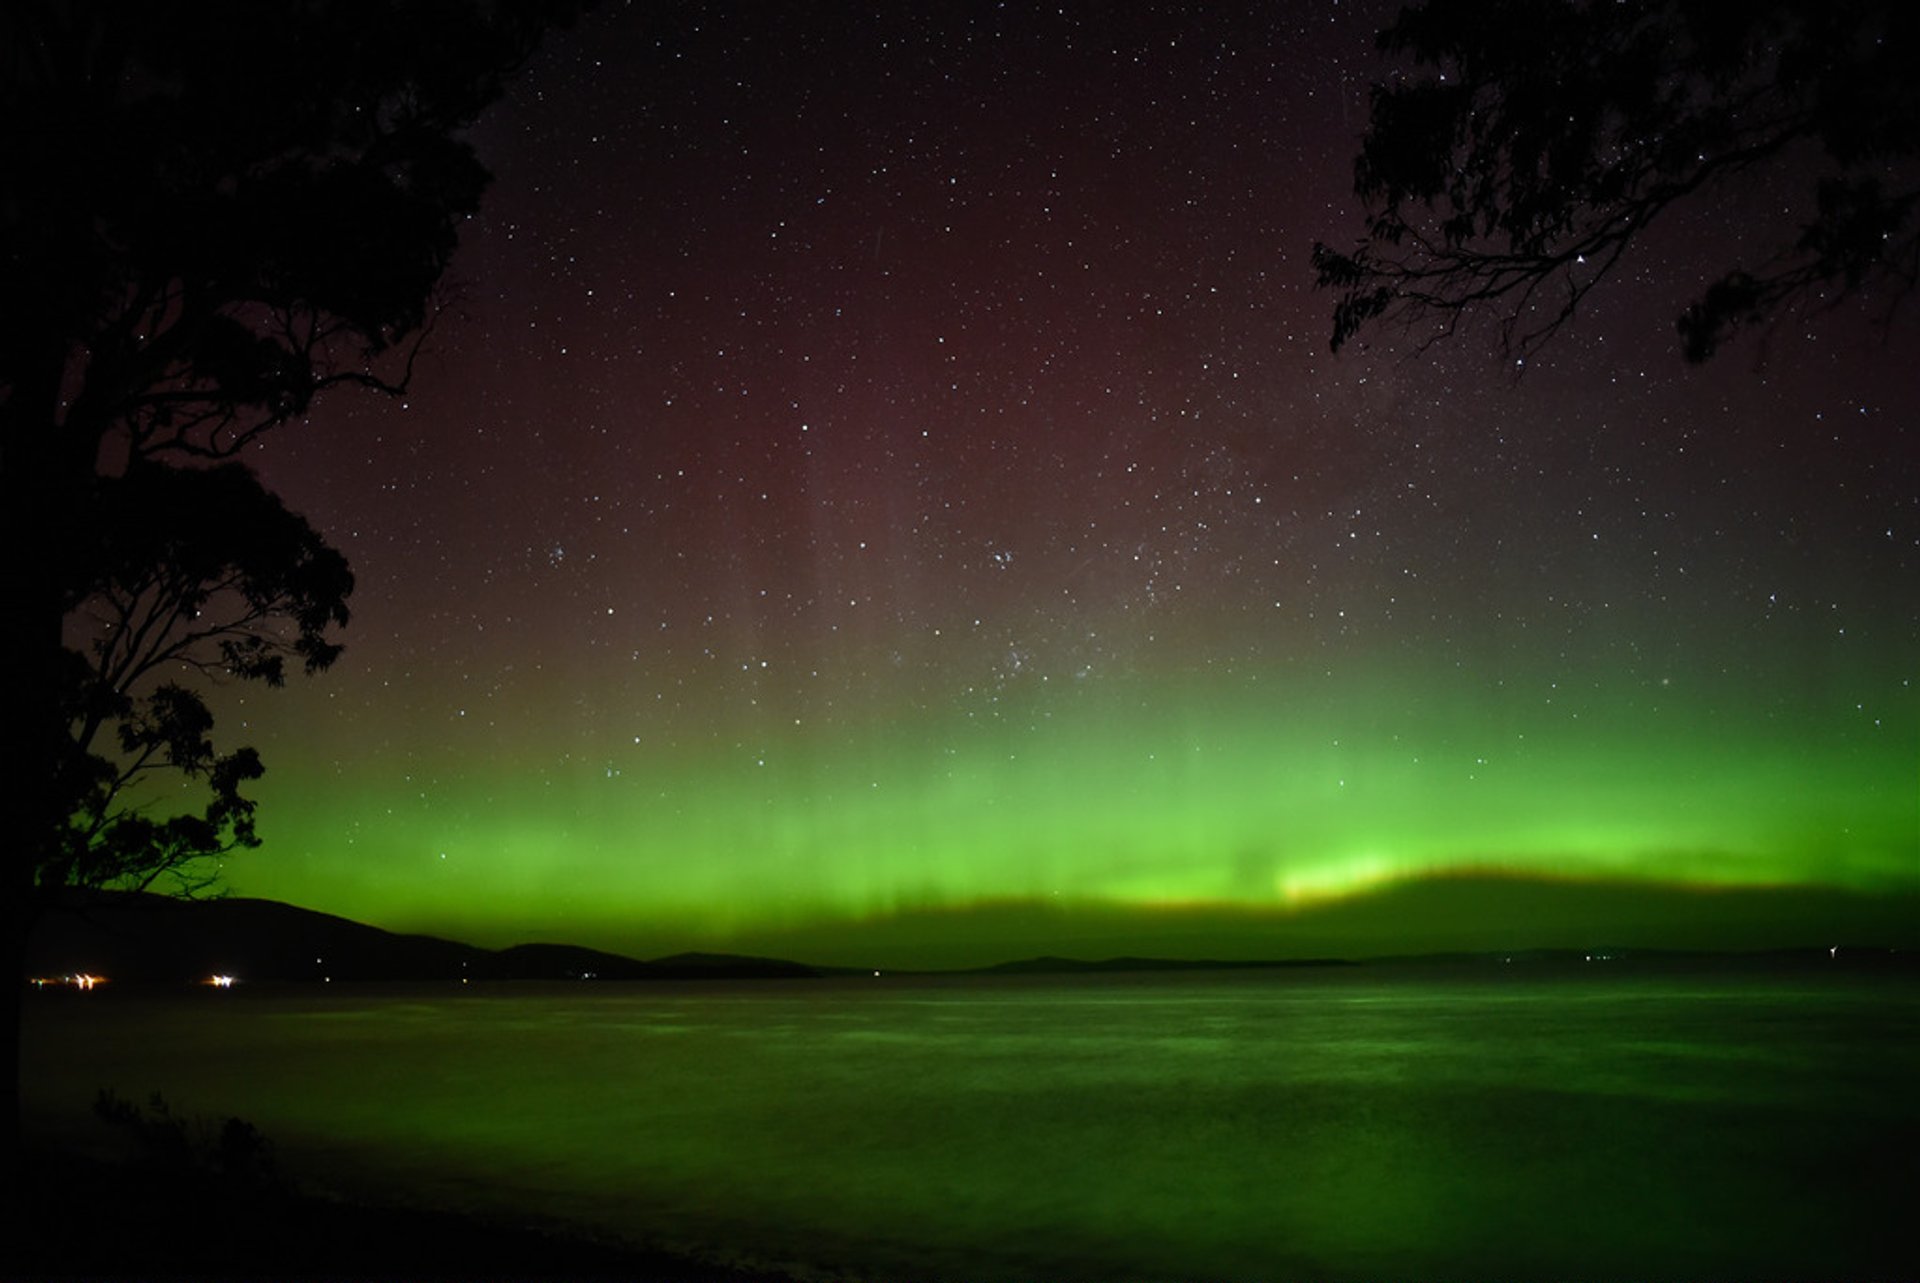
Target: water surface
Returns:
[[1348, 1123]]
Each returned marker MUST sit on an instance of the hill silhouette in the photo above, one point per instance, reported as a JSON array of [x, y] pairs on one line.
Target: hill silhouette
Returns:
[[133, 937], [1474, 912]]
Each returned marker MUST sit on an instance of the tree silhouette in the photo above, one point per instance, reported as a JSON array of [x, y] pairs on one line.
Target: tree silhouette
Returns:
[[211, 212], [1534, 141], [175, 593]]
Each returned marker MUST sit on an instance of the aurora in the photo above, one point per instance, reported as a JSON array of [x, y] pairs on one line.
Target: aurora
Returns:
[[839, 510]]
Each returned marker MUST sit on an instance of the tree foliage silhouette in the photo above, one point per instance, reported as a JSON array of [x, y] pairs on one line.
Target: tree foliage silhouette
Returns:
[[215, 211], [173, 591], [1533, 142], [211, 212]]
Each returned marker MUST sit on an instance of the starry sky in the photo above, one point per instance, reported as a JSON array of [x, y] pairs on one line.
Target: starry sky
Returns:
[[881, 493]]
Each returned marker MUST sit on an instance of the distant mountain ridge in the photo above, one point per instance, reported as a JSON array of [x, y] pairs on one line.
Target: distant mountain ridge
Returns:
[[126, 936], [129, 936], [1050, 965]]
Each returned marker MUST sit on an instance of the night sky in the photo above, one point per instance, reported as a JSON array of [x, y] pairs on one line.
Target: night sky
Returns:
[[882, 494]]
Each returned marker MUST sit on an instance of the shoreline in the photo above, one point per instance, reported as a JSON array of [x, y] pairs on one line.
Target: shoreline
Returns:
[[1017, 1128], [92, 1218]]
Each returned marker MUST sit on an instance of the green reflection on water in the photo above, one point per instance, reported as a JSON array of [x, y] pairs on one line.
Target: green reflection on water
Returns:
[[1349, 1124]]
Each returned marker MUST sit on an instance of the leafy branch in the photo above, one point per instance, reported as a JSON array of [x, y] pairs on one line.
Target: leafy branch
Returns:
[[1528, 146]]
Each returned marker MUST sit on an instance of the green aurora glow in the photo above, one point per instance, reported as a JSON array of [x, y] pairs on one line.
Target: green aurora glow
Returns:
[[1139, 795], [916, 505]]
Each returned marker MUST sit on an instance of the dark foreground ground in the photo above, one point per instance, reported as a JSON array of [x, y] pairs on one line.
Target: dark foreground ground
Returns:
[[88, 1219]]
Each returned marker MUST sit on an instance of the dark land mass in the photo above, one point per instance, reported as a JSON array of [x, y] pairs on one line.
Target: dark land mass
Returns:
[[129, 937], [134, 938], [1851, 956], [572, 962], [1465, 914], [1052, 965]]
